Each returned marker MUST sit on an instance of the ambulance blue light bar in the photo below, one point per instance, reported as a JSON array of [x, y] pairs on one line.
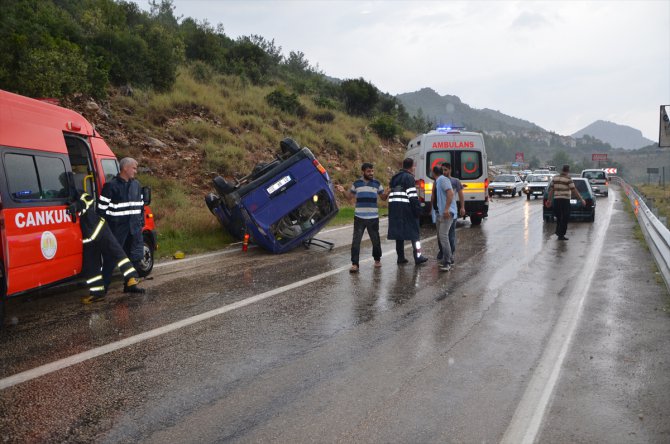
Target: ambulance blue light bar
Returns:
[[446, 129]]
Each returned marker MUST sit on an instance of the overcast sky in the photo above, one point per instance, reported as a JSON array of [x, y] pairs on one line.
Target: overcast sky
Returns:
[[559, 64]]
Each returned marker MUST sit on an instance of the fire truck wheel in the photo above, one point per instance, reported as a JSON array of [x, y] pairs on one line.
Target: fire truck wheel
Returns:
[[3, 294], [147, 262]]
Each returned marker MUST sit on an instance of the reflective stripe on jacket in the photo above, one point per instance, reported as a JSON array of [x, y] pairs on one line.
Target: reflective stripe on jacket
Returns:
[[404, 207], [121, 204]]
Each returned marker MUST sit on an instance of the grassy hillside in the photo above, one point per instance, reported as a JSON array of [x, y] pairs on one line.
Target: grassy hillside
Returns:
[[223, 126]]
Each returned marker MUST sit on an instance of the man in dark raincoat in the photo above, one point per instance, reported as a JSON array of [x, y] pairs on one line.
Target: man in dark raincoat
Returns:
[[404, 212]]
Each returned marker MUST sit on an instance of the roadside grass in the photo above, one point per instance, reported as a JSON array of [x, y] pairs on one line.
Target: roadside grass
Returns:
[[637, 231], [346, 216], [659, 195], [185, 225]]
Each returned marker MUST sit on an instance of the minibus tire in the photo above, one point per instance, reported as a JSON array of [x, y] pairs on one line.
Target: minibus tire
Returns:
[[212, 201], [147, 262], [289, 145], [223, 186]]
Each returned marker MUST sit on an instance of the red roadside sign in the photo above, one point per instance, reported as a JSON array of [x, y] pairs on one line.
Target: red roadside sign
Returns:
[[598, 157]]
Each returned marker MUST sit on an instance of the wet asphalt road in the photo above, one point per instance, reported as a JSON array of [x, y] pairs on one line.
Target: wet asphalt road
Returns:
[[527, 339]]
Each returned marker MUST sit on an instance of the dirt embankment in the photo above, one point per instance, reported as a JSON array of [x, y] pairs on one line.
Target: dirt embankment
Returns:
[[165, 153]]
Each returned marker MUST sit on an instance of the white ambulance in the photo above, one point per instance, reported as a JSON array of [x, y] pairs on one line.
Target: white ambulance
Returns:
[[466, 153]]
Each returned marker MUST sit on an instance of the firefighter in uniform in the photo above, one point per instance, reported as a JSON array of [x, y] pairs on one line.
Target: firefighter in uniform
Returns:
[[97, 240], [121, 204], [404, 212]]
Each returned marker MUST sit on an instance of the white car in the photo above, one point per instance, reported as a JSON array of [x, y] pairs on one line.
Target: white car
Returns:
[[598, 180], [535, 185], [506, 184]]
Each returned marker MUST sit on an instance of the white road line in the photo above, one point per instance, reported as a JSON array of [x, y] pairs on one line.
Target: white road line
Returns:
[[527, 419], [60, 364]]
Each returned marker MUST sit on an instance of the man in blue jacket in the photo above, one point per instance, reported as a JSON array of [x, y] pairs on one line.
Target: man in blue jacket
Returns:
[[404, 212], [122, 206]]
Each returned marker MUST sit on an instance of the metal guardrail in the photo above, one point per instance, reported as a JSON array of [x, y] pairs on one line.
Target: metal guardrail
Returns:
[[655, 232]]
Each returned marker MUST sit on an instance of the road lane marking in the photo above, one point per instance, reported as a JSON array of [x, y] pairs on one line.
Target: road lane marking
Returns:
[[527, 419], [60, 364]]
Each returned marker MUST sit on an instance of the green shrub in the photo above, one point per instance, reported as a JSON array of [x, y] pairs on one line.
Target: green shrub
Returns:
[[286, 102], [385, 127], [324, 102], [202, 72], [324, 117], [360, 97]]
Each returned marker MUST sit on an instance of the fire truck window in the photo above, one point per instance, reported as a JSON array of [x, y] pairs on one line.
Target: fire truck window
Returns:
[[35, 177], [436, 158], [470, 165], [110, 168], [22, 177], [52, 176]]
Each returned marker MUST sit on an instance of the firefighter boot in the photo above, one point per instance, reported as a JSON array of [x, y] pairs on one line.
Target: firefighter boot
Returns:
[[92, 298], [131, 286]]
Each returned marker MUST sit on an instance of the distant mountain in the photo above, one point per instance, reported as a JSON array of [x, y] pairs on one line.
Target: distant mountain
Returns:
[[619, 136], [449, 109]]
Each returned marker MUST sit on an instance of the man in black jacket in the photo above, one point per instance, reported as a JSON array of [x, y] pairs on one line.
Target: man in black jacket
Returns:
[[122, 206], [404, 212]]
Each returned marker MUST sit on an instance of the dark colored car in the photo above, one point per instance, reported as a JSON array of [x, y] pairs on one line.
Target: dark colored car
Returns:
[[281, 204], [577, 210]]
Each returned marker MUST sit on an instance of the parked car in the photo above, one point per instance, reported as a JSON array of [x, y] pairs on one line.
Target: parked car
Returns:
[[598, 180], [280, 204], [535, 185], [509, 184], [577, 210]]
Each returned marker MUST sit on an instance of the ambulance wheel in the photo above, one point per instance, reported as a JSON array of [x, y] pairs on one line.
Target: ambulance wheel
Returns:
[[475, 220], [147, 263]]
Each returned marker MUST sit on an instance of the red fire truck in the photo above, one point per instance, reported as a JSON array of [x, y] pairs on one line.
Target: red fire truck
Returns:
[[45, 150]]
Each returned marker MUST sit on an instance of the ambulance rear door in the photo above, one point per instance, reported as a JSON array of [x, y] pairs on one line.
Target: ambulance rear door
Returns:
[[41, 244]]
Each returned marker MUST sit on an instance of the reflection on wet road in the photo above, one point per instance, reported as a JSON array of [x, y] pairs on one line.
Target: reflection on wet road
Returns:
[[292, 348]]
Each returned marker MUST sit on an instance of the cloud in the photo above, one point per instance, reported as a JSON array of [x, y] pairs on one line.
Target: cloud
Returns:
[[530, 20], [561, 64]]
